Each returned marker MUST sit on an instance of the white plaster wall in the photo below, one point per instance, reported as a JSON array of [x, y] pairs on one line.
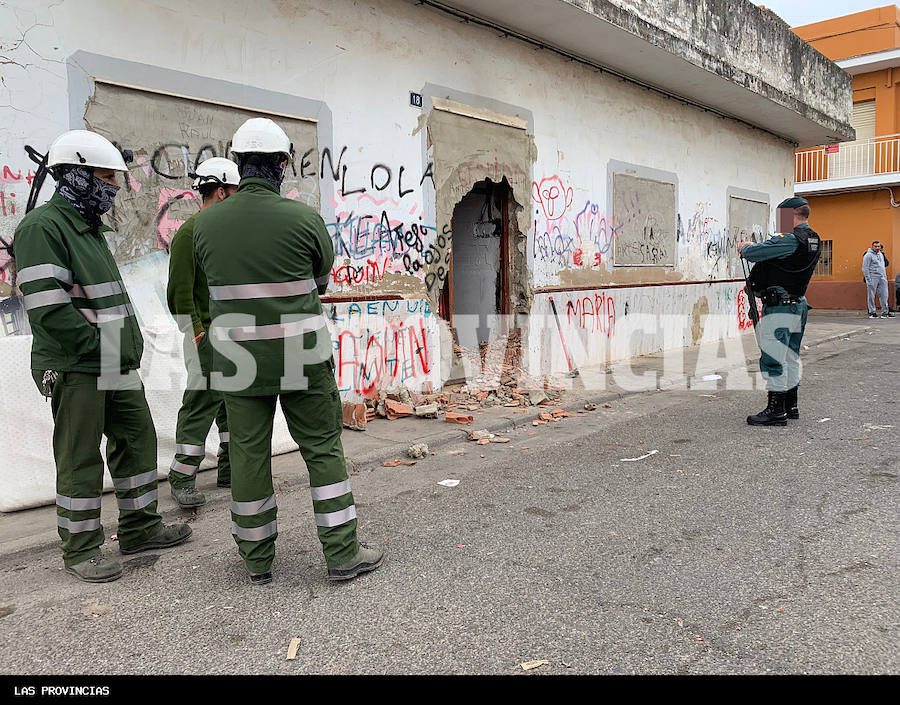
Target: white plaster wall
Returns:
[[611, 325], [362, 59]]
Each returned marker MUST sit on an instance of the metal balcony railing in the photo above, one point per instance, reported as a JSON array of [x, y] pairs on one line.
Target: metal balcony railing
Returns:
[[848, 160]]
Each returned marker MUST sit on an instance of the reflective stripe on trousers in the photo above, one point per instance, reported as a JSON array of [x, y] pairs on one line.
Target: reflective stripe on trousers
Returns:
[[78, 527], [138, 502], [259, 533], [183, 468], [188, 449], [77, 504], [130, 483], [336, 518]]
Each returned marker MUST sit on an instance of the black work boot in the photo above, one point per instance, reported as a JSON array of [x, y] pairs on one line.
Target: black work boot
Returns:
[[773, 415], [790, 403]]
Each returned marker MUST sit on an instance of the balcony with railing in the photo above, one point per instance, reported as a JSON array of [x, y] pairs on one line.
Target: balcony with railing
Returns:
[[850, 166]]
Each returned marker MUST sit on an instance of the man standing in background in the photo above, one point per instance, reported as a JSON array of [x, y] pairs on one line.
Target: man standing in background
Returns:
[[875, 275], [188, 296]]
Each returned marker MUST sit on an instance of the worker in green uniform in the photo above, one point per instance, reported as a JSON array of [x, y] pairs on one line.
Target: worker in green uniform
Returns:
[[188, 296], [267, 259], [86, 349], [785, 264]]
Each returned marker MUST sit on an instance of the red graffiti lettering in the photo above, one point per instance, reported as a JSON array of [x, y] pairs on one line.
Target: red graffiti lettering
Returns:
[[371, 272], [393, 357], [593, 314]]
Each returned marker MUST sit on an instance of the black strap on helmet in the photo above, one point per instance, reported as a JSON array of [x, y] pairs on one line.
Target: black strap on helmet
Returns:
[[38, 181]]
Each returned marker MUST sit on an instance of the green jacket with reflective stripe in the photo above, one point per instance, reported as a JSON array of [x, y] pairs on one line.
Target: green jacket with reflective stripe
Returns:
[[187, 292], [266, 259], [70, 284]]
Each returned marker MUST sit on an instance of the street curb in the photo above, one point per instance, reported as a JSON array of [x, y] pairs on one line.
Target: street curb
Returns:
[[218, 498]]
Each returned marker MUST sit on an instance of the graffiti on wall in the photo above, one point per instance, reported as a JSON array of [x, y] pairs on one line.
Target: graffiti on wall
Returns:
[[378, 225], [382, 344], [595, 313], [570, 235]]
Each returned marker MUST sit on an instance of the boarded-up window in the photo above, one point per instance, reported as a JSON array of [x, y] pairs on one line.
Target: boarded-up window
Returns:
[[646, 211], [863, 119], [748, 221], [170, 136]]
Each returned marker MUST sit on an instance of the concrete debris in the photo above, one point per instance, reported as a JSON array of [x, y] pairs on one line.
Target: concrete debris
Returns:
[[400, 394], [536, 396], [417, 450], [427, 411], [478, 435]]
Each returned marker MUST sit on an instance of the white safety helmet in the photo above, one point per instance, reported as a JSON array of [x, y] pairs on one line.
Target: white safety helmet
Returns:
[[263, 136], [85, 148], [217, 170]]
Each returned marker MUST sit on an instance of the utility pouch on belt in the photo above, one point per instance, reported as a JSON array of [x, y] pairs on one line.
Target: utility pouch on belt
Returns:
[[771, 297], [48, 381]]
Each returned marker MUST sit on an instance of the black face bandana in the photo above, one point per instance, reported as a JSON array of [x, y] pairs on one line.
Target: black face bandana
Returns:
[[268, 169], [90, 196]]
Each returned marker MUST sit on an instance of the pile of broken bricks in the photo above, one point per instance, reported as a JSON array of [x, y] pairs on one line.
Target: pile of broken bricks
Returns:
[[452, 404], [502, 382]]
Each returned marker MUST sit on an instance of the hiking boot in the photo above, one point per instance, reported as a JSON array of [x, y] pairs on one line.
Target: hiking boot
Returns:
[[773, 415], [167, 536], [261, 578], [97, 569], [188, 497], [223, 482], [365, 559], [790, 403]]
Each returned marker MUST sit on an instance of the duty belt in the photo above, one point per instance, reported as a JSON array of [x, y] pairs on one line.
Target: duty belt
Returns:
[[776, 298]]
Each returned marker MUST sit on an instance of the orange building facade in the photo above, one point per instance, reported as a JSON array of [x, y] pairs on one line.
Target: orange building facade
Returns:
[[853, 188]]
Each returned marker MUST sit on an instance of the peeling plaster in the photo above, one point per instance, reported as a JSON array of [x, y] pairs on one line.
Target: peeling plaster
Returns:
[[466, 151]]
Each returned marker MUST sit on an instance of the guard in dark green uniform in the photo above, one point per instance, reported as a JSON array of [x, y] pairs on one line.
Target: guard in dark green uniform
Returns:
[[266, 259], [79, 309], [188, 296], [785, 264]]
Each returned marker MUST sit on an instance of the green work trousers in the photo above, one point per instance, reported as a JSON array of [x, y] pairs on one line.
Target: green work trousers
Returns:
[[781, 331], [199, 406], [314, 420], [82, 415]]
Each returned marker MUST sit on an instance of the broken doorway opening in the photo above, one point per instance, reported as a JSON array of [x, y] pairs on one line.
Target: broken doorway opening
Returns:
[[475, 298]]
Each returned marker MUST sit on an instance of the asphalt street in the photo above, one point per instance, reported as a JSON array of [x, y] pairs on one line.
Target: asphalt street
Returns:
[[728, 550]]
